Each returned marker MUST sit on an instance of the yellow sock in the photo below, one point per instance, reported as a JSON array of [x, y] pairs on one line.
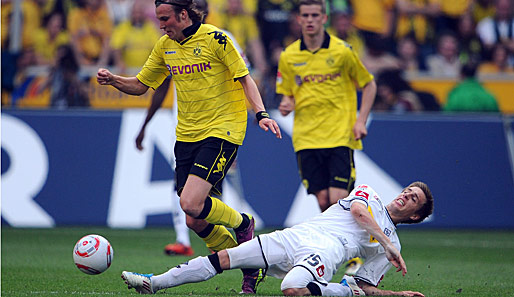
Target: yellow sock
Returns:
[[222, 214], [219, 239]]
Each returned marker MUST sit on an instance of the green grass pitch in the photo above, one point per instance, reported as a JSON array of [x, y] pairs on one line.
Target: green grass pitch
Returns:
[[38, 262]]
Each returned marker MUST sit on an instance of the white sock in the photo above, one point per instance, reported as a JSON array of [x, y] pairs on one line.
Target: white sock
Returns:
[[196, 270], [335, 289], [179, 220]]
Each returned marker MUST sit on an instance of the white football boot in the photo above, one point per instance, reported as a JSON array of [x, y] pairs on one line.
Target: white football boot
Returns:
[[141, 282]]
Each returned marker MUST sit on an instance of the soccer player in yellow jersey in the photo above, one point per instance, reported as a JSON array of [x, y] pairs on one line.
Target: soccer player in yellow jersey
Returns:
[[211, 80], [317, 76]]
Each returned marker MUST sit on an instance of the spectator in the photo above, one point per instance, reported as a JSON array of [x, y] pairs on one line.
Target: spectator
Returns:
[[470, 44], [451, 11], [275, 19], [66, 87], [244, 28], [499, 63], [482, 9], [446, 61], [500, 28], [90, 27], [374, 18], [119, 10], [49, 38], [32, 19], [342, 27], [408, 54], [376, 58], [469, 95], [395, 94], [133, 40], [414, 19]]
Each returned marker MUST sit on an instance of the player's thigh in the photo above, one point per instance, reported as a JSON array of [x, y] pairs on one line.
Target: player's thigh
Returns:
[[342, 168], [313, 169], [208, 159], [185, 153]]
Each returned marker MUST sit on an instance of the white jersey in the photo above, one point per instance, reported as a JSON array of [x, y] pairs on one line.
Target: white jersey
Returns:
[[336, 237]]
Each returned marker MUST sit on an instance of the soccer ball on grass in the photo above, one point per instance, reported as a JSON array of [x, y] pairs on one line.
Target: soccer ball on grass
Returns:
[[93, 254]]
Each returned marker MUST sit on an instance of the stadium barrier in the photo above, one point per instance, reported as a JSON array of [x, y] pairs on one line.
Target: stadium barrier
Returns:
[[80, 167]]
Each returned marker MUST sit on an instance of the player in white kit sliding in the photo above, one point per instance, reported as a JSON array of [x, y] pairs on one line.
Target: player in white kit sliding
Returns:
[[307, 255]]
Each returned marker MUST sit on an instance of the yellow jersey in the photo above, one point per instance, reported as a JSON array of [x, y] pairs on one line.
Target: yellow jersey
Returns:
[[204, 67], [323, 84]]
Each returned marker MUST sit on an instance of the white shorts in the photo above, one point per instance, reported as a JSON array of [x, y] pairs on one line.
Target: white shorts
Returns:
[[280, 251]]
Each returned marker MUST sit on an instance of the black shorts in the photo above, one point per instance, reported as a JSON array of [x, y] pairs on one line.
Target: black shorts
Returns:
[[323, 168], [209, 159]]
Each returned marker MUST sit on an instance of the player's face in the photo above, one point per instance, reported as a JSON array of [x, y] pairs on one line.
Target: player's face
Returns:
[[408, 203], [311, 19], [168, 21]]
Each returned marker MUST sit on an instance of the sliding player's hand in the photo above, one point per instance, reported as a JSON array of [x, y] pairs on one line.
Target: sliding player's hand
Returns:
[[394, 256]]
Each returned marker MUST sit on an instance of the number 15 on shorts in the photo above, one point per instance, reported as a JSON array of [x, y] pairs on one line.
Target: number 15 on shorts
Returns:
[[314, 261]]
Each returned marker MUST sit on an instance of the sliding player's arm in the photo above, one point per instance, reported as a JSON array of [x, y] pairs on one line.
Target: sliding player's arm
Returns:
[[374, 291], [360, 213]]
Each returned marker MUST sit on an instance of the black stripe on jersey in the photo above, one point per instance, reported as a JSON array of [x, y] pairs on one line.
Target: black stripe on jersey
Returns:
[[389, 217], [349, 201]]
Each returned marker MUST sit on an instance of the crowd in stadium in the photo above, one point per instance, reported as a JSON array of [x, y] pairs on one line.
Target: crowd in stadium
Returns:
[[392, 38]]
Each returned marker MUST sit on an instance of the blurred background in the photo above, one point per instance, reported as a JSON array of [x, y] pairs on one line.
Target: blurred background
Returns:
[[443, 112]]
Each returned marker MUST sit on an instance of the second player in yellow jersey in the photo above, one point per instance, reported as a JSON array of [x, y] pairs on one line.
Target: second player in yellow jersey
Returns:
[[317, 76]]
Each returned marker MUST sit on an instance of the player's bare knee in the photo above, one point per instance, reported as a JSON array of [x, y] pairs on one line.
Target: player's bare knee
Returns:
[[191, 207]]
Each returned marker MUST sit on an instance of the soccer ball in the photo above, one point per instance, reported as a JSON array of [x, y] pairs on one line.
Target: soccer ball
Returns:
[[93, 254]]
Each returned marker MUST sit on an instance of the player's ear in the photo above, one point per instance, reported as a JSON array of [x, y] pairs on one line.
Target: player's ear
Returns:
[[414, 217], [325, 18]]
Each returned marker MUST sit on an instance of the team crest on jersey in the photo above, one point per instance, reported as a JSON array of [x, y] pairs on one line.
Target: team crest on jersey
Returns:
[[330, 61], [387, 232], [198, 50], [220, 37]]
